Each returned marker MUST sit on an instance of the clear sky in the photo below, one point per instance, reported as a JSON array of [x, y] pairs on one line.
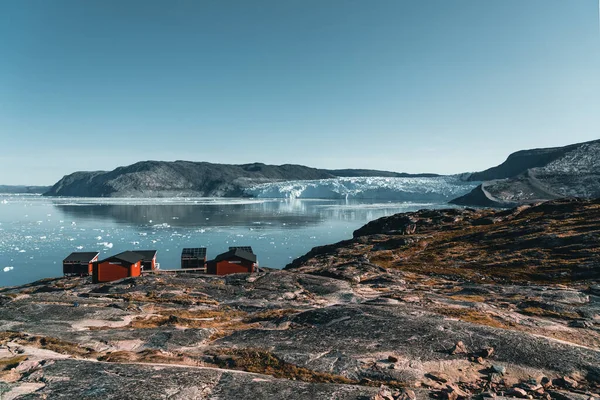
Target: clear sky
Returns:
[[417, 86]]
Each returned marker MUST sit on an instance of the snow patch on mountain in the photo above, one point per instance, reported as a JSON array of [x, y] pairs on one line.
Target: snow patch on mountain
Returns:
[[366, 188], [585, 159]]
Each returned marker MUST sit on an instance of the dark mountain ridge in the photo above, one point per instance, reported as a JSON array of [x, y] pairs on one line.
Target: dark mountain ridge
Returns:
[[186, 178], [539, 174], [522, 160], [372, 172]]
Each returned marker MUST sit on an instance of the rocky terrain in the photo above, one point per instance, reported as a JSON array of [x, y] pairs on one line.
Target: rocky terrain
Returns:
[[445, 304], [540, 174], [192, 179]]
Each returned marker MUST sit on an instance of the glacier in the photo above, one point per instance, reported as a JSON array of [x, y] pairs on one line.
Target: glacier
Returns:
[[443, 188]]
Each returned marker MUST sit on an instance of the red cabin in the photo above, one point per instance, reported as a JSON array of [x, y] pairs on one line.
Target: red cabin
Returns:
[[117, 267], [79, 263], [234, 261]]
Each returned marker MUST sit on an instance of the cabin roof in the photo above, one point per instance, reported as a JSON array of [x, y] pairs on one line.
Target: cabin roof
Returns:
[[147, 255], [236, 252], [127, 256], [193, 252], [83, 257], [245, 248]]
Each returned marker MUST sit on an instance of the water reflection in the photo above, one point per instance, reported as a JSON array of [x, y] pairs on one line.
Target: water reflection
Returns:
[[292, 213]]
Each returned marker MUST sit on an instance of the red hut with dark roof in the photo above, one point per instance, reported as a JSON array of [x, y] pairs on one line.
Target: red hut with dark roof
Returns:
[[237, 259], [117, 267]]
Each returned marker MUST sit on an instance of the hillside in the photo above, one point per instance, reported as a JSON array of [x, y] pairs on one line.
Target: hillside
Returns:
[[376, 173], [186, 178], [540, 174], [178, 178], [442, 304]]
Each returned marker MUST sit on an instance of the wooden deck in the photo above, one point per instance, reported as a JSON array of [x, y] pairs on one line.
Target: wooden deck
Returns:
[[176, 271]]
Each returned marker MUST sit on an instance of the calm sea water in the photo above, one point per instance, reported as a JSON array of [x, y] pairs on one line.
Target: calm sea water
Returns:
[[36, 232]]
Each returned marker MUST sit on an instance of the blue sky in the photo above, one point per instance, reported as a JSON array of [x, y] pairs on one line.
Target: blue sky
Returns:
[[418, 86]]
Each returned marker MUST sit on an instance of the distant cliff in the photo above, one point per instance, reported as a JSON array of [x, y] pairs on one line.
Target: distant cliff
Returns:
[[185, 178], [350, 173], [539, 174], [23, 189], [178, 178]]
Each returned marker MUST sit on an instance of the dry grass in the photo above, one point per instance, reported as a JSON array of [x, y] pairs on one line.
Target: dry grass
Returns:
[[8, 363], [153, 297], [470, 315], [222, 322], [538, 247], [540, 312], [48, 343], [148, 356], [189, 319], [262, 362], [469, 297], [270, 315]]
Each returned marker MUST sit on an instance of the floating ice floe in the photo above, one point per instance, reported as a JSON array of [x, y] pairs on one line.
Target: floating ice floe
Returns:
[[6, 269], [105, 244], [98, 237]]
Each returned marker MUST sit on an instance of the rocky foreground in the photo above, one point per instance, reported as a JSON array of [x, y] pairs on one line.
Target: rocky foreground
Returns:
[[433, 304]]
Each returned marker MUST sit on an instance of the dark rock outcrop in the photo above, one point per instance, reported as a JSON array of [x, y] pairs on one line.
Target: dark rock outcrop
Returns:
[[544, 242]]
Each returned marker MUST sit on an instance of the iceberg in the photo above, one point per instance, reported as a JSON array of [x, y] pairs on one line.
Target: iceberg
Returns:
[[366, 188]]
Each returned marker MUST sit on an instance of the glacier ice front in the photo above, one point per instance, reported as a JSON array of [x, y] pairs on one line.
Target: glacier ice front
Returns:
[[367, 188]]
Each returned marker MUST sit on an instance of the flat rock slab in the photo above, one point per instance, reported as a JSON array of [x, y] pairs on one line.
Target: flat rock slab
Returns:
[[77, 379]]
